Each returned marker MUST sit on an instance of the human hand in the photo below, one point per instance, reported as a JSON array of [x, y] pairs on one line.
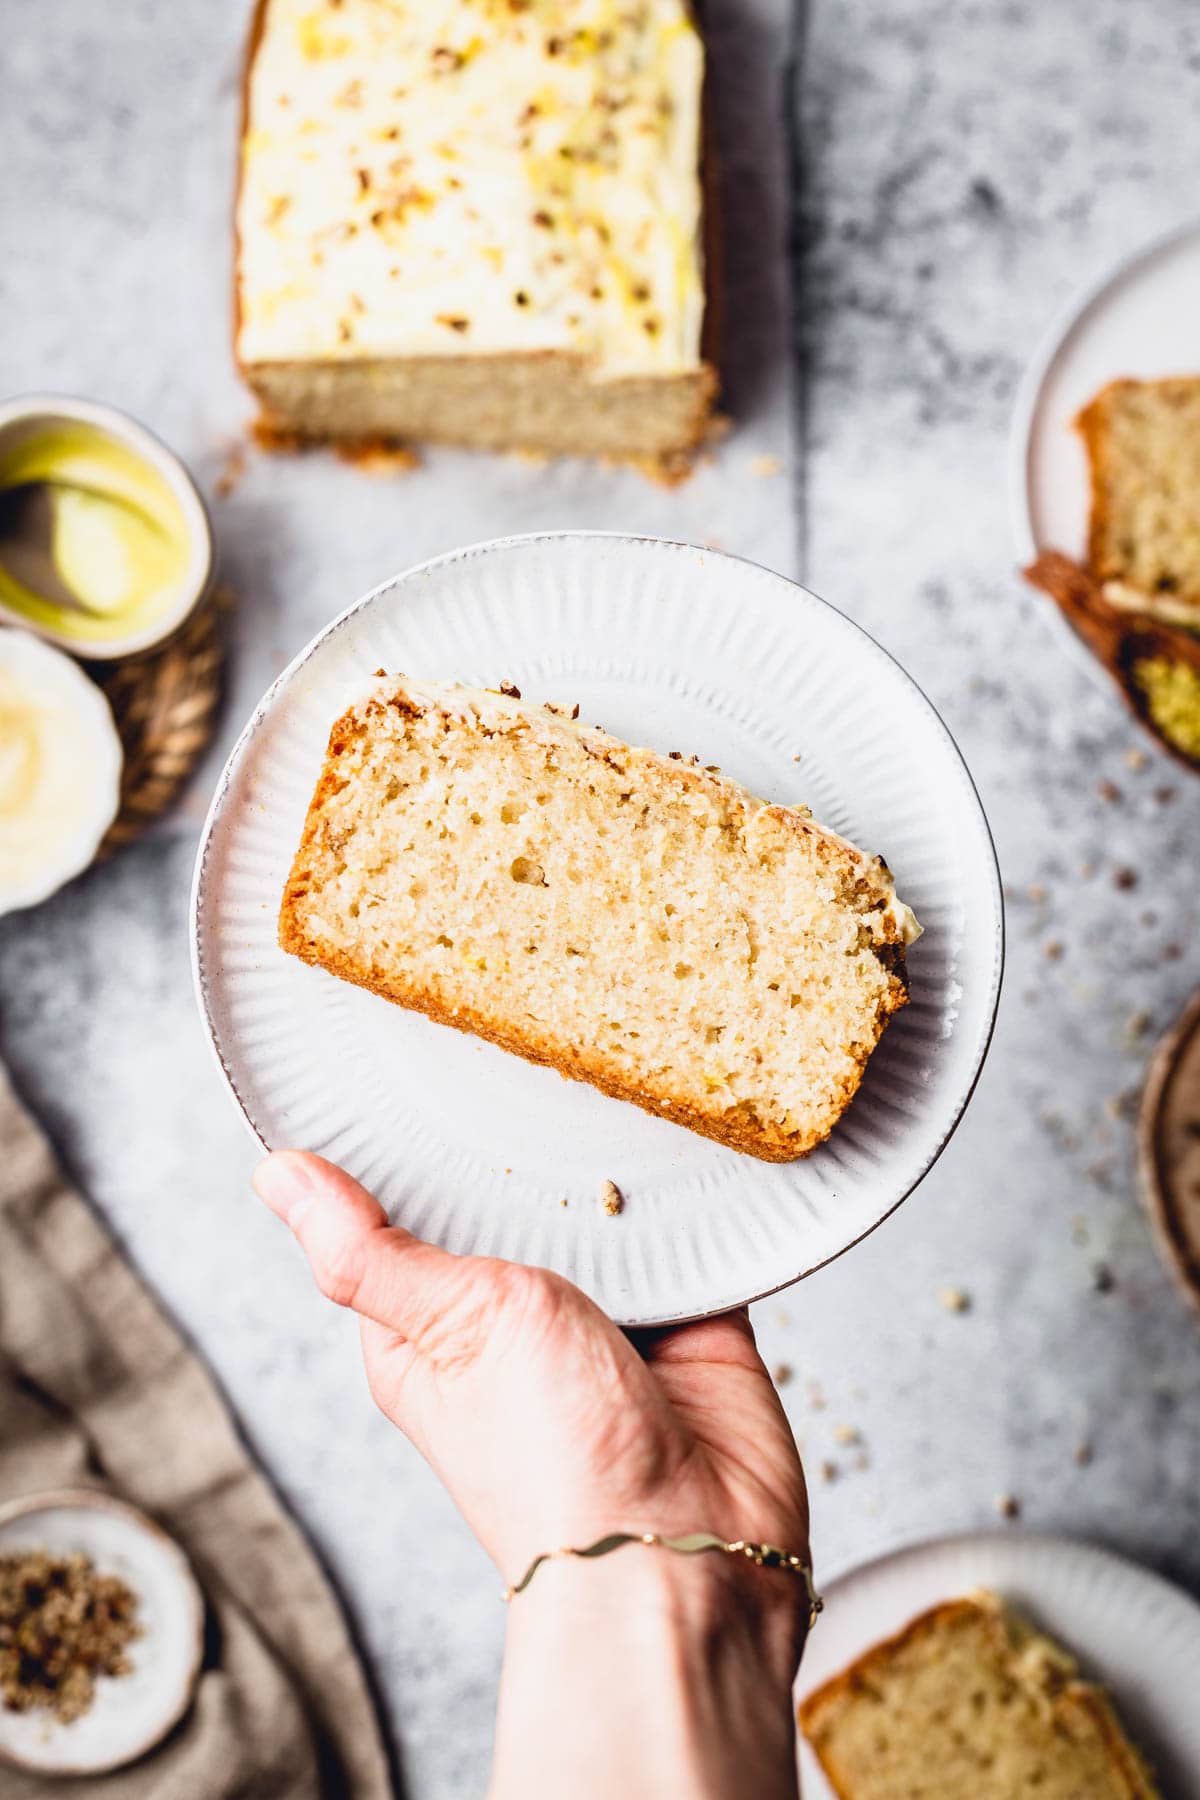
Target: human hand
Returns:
[[646, 1673], [547, 1424]]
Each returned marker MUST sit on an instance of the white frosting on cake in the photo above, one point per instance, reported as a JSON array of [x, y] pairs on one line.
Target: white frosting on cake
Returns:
[[473, 177]]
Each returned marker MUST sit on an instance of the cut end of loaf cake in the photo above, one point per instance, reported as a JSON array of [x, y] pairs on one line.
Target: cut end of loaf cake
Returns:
[[633, 920], [1143, 444], [545, 405], [968, 1700]]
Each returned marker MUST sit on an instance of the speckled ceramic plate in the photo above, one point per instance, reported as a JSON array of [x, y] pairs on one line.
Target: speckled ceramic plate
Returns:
[[666, 645], [130, 1713], [1140, 321], [1130, 1629]]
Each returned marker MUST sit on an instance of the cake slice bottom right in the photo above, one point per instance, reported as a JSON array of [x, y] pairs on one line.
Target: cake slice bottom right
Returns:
[[969, 1702]]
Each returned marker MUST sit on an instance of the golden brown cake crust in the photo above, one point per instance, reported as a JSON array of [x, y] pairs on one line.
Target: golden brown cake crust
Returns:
[[1091, 425], [737, 1127]]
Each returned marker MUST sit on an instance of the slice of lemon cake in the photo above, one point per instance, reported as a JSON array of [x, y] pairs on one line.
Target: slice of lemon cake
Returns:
[[634, 920], [1143, 444], [969, 1703], [476, 224]]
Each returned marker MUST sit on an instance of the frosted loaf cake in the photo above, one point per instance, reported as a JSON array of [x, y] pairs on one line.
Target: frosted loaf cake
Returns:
[[476, 222]]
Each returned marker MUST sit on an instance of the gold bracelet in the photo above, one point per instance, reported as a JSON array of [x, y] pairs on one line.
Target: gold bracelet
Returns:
[[763, 1556]]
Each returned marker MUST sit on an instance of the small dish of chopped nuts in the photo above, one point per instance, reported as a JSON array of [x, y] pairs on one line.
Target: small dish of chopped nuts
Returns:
[[101, 1632]]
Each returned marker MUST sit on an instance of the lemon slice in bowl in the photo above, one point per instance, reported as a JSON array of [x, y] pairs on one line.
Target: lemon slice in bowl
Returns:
[[60, 769]]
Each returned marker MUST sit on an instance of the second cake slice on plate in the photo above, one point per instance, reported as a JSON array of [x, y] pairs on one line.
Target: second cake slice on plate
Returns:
[[634, 920]]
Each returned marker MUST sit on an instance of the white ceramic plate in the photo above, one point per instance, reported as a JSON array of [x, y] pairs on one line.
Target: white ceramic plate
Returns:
[[130, 1713], [1130, 1629], [1142, 320], [666, 645]]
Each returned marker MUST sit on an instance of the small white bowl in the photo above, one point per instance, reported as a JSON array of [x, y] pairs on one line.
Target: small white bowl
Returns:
[[130, 1713], [30, 412]]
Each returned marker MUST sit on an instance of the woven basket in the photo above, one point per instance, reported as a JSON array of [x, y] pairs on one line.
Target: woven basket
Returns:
[[165, 706]]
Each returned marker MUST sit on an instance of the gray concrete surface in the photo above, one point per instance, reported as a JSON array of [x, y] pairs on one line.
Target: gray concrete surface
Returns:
[[959, 170]]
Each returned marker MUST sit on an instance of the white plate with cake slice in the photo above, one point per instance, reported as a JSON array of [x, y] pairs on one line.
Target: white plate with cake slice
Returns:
[[682, 650], [1138, 321], [1130, 1631]]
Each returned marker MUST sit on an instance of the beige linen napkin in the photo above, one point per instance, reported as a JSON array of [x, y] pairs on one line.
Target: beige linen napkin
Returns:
[[98, 1389]]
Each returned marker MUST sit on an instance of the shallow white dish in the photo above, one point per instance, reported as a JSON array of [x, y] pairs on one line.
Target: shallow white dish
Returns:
[[680, 648], [1140, 320], [130, 1713], [1130, 1629]]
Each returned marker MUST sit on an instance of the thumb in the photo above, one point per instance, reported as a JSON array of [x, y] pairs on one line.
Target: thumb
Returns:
[[359, 1261]]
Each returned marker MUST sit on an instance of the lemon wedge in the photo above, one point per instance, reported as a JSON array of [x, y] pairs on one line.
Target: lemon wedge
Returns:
[[109, 554]]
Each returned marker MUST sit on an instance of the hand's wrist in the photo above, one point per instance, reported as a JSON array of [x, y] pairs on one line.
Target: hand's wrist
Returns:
[[647, 1671], [649, 1592]]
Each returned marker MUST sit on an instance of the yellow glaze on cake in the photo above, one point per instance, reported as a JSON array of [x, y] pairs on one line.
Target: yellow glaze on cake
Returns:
[[474, 177]]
